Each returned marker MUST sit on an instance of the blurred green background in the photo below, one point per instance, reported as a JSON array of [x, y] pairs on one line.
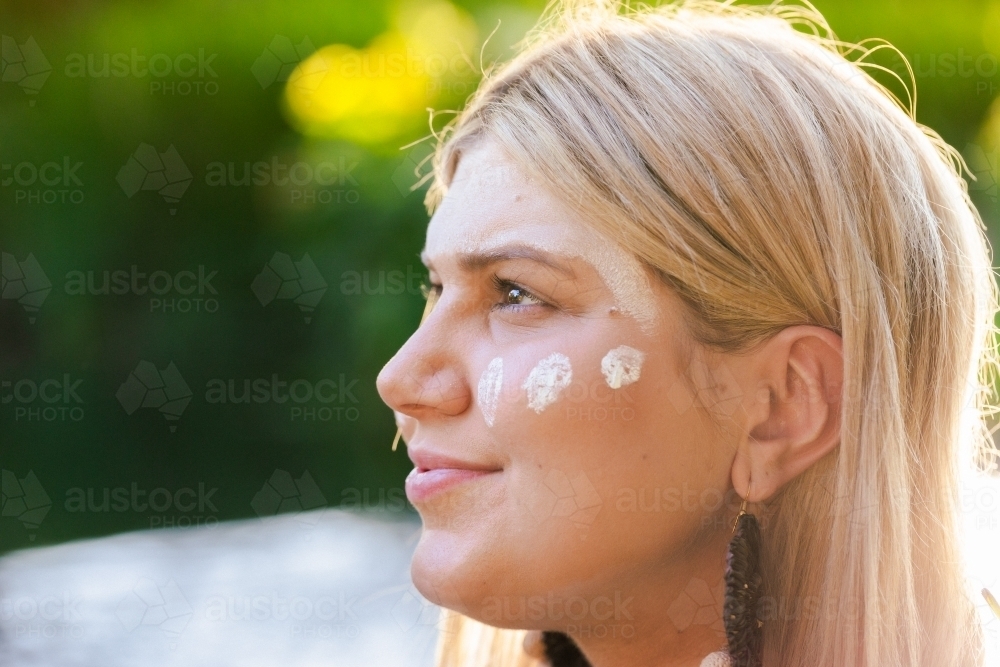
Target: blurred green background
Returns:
[[240, 165]]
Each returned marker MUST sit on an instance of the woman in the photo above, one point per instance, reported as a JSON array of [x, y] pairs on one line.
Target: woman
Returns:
[[683, 258]]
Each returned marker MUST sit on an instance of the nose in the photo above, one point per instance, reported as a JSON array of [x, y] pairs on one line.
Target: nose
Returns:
[[425, 378]]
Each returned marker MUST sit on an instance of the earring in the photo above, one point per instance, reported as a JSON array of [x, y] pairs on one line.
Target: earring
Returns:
[[743, 590], [561, 651], [431, 296]]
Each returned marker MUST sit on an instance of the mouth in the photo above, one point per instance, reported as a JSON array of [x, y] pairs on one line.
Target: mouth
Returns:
[[434, 474]]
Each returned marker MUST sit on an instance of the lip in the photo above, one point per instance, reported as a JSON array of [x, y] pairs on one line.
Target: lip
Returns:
[[434, 473]]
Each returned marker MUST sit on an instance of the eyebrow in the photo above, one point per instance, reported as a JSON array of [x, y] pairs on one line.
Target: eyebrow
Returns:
[[476, 261]]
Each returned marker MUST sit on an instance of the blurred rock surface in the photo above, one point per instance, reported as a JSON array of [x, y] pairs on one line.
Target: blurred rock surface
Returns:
[[327, 587]]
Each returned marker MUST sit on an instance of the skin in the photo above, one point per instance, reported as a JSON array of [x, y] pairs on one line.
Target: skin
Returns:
[[501, 540]]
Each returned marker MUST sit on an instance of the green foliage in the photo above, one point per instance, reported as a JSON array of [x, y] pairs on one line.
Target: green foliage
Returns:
[[360, 227]]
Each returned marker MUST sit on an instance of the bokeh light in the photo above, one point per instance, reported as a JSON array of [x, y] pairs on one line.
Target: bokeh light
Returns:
[[372, 95]]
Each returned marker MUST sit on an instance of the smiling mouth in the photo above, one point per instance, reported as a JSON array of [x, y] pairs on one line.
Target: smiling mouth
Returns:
[[424, 483]]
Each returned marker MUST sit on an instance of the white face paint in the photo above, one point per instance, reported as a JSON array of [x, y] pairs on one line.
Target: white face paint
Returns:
[[489, 390], [625, 277], [620, 271], [547, 380], [510, 208], [621, 366]]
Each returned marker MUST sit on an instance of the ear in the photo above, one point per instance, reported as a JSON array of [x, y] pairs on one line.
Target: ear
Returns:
[[793, 409]]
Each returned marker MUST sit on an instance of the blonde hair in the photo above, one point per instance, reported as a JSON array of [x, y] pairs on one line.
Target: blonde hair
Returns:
[[748, 158]]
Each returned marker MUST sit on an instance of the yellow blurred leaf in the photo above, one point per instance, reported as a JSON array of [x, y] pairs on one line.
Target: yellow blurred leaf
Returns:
[[373, 95]]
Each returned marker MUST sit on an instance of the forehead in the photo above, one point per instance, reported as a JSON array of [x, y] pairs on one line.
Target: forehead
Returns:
[[491, 202]]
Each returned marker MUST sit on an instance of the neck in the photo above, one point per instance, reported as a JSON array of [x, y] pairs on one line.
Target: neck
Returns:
[[675, 614]]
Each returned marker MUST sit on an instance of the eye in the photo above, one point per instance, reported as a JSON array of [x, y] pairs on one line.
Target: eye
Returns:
[[517, 295], [513, 295]]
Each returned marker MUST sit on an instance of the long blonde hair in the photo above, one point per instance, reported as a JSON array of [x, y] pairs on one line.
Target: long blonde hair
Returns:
[[749, 159]]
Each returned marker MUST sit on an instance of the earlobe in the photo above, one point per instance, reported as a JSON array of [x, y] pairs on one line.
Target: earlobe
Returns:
[[793, 419]]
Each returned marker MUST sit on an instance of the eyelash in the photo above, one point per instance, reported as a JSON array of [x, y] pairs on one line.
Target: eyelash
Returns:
[[504, 287], [431, 290]]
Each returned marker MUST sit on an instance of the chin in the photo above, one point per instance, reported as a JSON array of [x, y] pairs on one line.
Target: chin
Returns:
[[451, 572]]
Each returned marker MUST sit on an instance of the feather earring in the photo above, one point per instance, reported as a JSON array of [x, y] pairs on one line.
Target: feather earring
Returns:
[[743, 591]]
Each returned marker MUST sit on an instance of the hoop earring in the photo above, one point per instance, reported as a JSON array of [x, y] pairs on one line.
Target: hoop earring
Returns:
[[743, 591]]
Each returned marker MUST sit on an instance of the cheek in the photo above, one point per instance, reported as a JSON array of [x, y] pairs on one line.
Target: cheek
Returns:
[[561, 427], [534, 402], [521, 393], [622, 471]]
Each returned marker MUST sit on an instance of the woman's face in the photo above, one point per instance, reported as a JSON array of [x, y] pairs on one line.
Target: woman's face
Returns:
[[559, 452]]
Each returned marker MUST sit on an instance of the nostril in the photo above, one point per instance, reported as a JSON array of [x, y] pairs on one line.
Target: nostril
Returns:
[[454, 401], [422, 378]]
